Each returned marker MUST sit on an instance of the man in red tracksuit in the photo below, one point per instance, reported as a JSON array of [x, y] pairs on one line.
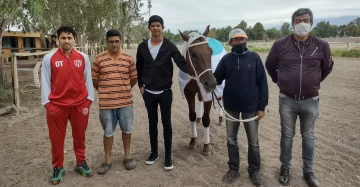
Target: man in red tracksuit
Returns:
[[67, 93]]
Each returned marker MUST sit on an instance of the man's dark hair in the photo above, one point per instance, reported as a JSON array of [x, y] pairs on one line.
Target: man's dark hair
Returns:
[[155, 18], [300, 12], [111, 33], [67, 29]]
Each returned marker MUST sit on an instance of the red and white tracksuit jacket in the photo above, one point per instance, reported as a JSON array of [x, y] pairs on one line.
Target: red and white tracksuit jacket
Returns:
[[67, 93]]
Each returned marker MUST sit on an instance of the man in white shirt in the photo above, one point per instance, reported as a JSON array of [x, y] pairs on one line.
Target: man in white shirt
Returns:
[[155, 72]]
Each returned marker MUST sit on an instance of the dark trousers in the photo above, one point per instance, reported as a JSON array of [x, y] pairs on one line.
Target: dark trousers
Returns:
[[151, 102]]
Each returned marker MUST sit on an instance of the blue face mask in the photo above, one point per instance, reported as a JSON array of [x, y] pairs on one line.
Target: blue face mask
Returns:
[[239, 48]]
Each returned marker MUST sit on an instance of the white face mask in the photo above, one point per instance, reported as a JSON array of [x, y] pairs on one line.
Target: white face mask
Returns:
[[302, 29]]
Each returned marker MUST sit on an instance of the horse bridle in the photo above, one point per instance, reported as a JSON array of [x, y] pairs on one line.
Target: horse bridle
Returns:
[[196, 77]]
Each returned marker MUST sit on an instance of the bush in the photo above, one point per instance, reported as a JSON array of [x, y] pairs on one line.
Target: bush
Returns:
[[352, 53]]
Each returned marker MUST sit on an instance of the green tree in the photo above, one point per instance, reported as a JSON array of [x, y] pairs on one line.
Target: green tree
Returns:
[[242, 25], [8, 9], [285, 29], [139, 33], [259, 31], [12, 11], [322, 29], [250, 33], [169, 35], [341, 30], [273, 33], [212, 33]]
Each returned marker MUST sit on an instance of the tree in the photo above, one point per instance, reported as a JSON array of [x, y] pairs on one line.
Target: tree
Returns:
[[242, 25], [353, 28], [212, 33], [168, 34], [341, 30], [177, 38], [285, 29], [8, 9], [273, 33], [223, 33], [322, 29], [259, 31], [139, 32]]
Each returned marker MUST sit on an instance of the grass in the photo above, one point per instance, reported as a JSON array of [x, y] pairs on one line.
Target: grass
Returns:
[[353, 53]]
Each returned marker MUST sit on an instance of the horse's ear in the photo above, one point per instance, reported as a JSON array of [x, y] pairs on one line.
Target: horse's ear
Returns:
[[206, 32], [185, 37]]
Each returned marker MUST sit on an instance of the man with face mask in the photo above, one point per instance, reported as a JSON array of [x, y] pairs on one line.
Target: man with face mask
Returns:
[[245, 92], [297, 64]]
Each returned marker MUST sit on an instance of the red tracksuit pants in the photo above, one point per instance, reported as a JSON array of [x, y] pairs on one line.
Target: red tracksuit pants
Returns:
[[57, 118]]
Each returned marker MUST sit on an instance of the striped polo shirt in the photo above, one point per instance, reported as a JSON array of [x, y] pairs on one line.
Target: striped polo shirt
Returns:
[[114, 77]]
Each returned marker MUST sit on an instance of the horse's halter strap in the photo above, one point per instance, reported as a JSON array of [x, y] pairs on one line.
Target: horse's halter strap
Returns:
[[196, 77]]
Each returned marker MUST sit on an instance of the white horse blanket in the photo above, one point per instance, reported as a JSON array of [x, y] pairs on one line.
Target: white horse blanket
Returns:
[[218, 51]]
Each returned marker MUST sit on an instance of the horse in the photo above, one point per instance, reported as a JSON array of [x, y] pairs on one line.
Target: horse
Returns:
[[199, 79]]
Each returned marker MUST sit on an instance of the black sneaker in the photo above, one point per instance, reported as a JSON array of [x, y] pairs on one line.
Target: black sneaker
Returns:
[[168, 163], [230, 176], [256, 178], [311, 180], [152, 159], [284, 177]]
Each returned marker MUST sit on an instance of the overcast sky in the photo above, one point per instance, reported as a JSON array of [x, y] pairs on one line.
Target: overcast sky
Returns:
[[197, 14]]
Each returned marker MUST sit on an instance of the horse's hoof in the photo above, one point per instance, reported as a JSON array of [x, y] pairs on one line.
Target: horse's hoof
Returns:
[[191, 147], [206, 153]]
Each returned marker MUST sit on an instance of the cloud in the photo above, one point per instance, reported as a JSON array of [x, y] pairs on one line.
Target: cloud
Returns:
[[197, 14]]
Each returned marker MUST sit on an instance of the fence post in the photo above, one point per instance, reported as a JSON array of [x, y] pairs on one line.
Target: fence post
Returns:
[[15, 83], [349, 46]]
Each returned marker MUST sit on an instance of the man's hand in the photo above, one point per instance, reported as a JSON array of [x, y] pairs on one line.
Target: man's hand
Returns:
[[142, 90], [260, 114]]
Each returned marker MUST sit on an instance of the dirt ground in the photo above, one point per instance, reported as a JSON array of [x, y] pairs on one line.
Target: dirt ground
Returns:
[[25, 158]]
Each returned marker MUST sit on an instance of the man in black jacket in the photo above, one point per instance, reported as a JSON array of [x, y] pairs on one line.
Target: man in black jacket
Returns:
[[155, 72], [298, 63], [245, 92]]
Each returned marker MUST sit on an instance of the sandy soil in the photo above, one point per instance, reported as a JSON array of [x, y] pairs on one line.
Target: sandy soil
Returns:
[[26, 158]]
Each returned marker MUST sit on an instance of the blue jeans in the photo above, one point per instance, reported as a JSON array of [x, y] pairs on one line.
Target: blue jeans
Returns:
[[110, 117], [251, 128], [308, 111]]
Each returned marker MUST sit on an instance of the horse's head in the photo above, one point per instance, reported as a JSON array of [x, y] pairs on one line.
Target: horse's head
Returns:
[[198, 59]]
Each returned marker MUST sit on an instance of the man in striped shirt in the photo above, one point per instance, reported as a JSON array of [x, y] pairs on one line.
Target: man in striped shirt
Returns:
[[114, 74]]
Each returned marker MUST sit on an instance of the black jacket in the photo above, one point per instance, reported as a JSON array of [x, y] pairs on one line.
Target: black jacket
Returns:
[[246, 88], [299, 67], [157, 74]]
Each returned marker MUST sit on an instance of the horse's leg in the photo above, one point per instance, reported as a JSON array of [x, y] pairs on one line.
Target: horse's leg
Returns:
[[206, 124], [199, 109], [190, 98], [221, 114]]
